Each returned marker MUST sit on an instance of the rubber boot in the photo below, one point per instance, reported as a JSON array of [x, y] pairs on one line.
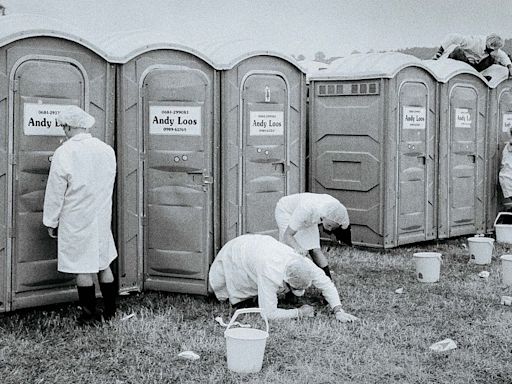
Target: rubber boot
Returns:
[[327, 271], [109, 293], [87, 299]]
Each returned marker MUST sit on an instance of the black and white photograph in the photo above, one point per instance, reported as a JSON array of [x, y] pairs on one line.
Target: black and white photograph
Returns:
[[256, 191]]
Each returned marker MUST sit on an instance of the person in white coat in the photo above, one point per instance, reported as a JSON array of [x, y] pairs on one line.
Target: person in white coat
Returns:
[[78, 210], [505, 174], [258, 266], [478, 51], [298, 217]]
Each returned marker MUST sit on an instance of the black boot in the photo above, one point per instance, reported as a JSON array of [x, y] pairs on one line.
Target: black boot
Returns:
[[327, 271], [87, 299], [109, 293]]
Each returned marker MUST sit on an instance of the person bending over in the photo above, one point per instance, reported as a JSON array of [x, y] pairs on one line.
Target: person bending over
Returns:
[[258, 266]]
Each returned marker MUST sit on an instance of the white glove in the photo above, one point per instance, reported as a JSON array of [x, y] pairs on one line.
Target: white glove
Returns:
[[345, 317], [306, 311]]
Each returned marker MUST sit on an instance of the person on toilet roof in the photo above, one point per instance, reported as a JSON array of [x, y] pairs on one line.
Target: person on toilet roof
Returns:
[[478, 51]]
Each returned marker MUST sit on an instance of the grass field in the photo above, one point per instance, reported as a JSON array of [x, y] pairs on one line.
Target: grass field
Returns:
[[390, 344]]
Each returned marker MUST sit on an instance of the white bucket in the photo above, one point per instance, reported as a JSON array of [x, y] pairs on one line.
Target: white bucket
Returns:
[[503, 231], [480, 249], [245, 347], [506, 269], [428, 266]]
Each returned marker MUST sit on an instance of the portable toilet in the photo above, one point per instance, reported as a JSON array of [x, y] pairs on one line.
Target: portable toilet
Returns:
[[167, 140], [46, 65], [372, 145], [263, 107], [462, 100], [500, 124]]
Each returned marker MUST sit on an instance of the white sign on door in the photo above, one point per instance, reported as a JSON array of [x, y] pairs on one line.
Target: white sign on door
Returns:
[[266, 123], [414, 118], [507, 122], [175, 120], [40, 119], [462, 118]]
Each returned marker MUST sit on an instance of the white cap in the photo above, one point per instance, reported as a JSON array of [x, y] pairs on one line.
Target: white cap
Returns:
[[75, 117]]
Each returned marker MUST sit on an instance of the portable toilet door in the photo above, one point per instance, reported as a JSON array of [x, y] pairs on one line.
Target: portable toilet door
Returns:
[[44, 75], [167, 144], [263, 141], [462, 154], [415, 156], [500, 124]]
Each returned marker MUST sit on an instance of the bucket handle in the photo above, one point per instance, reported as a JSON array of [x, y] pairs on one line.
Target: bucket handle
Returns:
[[247, 310], [499, 214]]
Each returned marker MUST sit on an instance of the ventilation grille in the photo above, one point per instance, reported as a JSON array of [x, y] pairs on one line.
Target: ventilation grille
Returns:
[[347, 89]]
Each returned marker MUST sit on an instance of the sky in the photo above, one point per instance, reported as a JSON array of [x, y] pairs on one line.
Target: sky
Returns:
[[335, 27]]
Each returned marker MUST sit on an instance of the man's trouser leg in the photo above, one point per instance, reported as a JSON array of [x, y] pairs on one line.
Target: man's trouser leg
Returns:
[[484, 64], [458, 54]]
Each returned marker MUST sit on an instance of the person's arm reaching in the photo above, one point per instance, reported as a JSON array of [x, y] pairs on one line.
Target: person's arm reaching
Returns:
[[54, 194], [330, 293], [289, 239], [267, 301]]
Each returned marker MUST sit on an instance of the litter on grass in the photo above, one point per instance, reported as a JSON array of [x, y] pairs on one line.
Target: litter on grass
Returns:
[[483, 274], [443, 345], [128, 317], [219, 320], [399, 291], [506, 300], [188, 355]]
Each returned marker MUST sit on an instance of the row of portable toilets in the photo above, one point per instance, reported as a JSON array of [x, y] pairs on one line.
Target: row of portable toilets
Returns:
[[206, 150]]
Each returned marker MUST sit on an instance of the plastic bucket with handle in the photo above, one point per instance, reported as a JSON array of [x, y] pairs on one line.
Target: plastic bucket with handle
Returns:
[[503, 231], [245, 347], [506, 269], [480, 249], [428, 266]]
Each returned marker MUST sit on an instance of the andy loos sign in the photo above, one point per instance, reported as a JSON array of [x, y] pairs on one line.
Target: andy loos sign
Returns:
[[40, 119], [175, 120]]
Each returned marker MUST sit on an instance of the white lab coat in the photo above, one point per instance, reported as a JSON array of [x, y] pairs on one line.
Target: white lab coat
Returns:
[[78, 200], [302, 212], [255, 265], [505, 175]]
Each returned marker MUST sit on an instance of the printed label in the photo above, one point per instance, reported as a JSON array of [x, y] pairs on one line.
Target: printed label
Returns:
[[462, 118], [414, 118], [266, 123], [507, 122], [40, 119], [175, 120]]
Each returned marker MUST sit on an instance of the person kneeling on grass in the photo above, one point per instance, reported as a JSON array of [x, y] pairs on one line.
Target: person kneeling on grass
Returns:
[[258, 266]]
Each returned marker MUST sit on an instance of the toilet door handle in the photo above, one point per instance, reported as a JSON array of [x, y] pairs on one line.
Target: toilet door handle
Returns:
[[423, 158]]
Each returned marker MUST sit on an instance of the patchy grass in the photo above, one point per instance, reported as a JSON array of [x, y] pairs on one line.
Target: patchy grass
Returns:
[[390, 344]]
